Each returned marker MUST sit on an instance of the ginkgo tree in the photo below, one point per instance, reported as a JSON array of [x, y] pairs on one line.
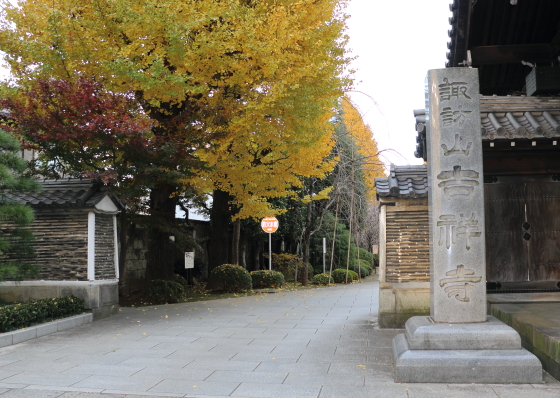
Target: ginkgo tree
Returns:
[[266, 160], [359, 164], [219, 80]]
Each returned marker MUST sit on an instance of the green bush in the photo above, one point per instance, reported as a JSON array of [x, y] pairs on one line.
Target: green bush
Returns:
[[375, 262], [17, 316], [366, 255], [321, 279], [181, 281], [160, 291], [339, 275], [364, 263], [367, 266], [231, 278], [266, 278], [282, 262], [360, 270]]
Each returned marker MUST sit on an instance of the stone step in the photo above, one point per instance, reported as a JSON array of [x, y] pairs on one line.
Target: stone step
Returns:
[[464, 366], [423, 334]]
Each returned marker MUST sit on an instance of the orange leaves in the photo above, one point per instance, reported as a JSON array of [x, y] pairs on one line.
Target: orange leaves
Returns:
[[361, 133], [247, 87]]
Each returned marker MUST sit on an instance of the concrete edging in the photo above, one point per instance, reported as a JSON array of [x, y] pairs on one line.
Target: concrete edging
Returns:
[[32, 332]]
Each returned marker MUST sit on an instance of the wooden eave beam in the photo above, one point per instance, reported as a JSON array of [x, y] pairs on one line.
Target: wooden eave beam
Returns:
[[513, 54]]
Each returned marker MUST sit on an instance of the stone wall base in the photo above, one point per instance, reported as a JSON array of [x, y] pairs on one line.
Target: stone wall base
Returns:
[[101, 297], [400, 301]]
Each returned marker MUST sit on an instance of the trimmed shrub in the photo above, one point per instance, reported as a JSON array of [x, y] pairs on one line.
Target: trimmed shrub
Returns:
[[339, 275], [364, 263], [181, 281], [231, 278], [282, 262], [160, 292], [368, 267], [266, 278], [363, 271], [366, 255], [321, 279], [17, 316]]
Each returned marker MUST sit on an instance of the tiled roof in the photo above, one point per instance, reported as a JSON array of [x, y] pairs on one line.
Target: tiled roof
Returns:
[[404, 182], [507, 118], [519, 117], [67, 193]]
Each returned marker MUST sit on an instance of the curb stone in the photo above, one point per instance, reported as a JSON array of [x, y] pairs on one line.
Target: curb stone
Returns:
[[32, 332]]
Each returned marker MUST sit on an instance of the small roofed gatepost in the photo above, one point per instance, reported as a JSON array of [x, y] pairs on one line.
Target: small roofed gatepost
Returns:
[[404, 264], [76, 245]]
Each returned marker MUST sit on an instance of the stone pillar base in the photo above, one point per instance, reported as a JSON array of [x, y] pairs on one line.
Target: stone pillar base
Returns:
[[487, 352]]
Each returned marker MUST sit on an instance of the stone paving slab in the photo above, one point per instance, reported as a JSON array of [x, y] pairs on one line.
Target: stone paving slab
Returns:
[[320, 343]]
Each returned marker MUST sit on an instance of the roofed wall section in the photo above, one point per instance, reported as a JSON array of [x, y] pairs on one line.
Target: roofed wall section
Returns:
[[404, 193]]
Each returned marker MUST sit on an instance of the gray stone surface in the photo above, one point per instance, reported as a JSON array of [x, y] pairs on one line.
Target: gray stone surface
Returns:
[[424, 334], [236, 347], [456, 196], [68, 323], [46, 328], [6, 339], [458, 343], [21, 335], [464, 366]]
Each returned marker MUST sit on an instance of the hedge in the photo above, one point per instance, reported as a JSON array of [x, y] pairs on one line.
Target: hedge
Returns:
[[17, 316], [321, 279], [339, 275], [266, 278], [231, 278], [160, 291]]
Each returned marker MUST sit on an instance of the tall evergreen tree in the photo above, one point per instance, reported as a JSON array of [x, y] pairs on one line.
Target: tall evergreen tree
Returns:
[[15, 249]]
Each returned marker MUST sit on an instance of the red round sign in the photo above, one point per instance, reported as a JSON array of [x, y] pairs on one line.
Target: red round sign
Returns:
[[269, 224]]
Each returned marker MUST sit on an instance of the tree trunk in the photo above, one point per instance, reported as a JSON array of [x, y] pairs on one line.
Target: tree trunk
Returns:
[[243, 252], [220, 216], [161, 250], [255, 259], [307, 236], [235, 243], [351, 218], [334, 238]]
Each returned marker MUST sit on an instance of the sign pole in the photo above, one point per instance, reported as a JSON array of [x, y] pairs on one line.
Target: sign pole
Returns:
[[324, 252], [269, 225], [189, 265], [270, 251]]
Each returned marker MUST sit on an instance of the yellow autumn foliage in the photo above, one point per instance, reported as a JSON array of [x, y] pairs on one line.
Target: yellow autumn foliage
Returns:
[[249, 86], [371, 165]]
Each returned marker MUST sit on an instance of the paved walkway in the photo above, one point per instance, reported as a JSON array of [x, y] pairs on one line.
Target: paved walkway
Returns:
[[319, 343]]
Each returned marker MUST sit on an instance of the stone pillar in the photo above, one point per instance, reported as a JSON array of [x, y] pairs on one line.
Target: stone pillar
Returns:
[[456, 196], [458, 343]]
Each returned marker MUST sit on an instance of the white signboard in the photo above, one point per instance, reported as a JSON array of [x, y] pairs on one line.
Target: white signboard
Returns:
[[189, 260]]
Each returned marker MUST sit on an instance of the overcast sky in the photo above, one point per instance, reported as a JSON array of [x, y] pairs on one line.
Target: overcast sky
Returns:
[[396, 43]]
